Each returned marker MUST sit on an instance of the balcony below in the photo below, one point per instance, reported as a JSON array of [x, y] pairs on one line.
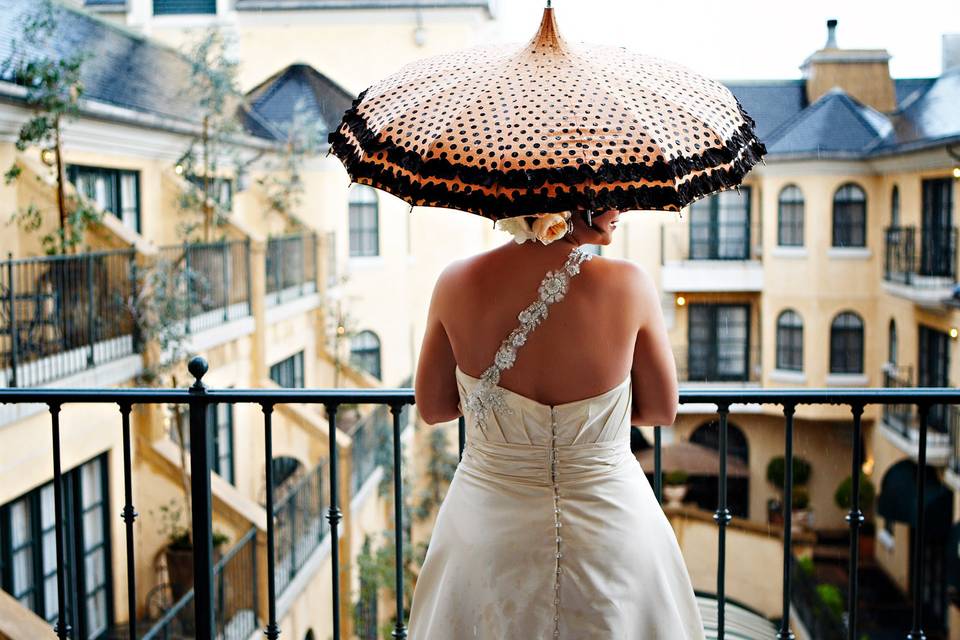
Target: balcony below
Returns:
[[920, 266], [900, 423], [707, 276]]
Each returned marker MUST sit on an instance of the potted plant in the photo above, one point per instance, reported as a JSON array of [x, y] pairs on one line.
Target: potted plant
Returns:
[[179, 549], [843, 497], [776, 474], [675, 487]]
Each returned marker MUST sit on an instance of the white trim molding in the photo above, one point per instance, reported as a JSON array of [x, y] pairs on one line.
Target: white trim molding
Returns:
[[792, 253], [850, 253], [847, 380], [791, 377]]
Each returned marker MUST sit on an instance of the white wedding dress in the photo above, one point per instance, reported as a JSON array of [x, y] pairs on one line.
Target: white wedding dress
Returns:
[[549, 528]]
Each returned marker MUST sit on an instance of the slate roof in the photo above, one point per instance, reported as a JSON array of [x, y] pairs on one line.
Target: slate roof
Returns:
[[837, 125], [123, 69], [276, 99]]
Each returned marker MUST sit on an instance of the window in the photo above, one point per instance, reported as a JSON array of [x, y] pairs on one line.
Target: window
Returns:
[[933, 370], [938, 238], [718, 342], [790, 341], [220, 430], [895, 207], [790, 217], [28, 549], [288, 373], [365, 352], [720, 226], [173, 7], [849, 216], [364, 222], [113, 190], [892, 342], [846, 343], [221, 189]]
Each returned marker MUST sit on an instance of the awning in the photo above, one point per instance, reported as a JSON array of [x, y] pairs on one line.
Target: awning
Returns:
[[695, 459], [898, 499]]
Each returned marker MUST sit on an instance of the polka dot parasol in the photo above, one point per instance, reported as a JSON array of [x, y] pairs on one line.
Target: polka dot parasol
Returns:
[[545, 127]]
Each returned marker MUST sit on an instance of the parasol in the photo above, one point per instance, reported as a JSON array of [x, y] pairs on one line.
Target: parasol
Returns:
[[544, 127]]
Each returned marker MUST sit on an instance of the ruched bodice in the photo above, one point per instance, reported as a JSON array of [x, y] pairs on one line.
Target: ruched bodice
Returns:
[[587, 437]]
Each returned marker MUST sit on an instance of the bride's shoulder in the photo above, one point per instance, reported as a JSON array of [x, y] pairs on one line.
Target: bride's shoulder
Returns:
[[621, 273]]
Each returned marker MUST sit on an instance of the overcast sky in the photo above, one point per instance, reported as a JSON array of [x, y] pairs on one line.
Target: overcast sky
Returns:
[[741, 39]]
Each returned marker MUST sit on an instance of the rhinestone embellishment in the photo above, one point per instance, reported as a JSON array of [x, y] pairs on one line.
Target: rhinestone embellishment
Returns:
[[486, 395]]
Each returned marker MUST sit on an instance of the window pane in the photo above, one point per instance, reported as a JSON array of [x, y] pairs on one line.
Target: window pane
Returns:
[[92, 528], [96, 614], [20, 523]]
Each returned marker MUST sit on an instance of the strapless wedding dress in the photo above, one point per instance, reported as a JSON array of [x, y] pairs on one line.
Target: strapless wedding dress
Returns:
[[549, 528]]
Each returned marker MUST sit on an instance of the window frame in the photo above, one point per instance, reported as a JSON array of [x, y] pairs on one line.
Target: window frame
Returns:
[[710, 371], [713, 244], [363, 222], [360, 356], [289, 372], [798, 211], [840, 363], [116, 176], [847, 232], [789, 357]]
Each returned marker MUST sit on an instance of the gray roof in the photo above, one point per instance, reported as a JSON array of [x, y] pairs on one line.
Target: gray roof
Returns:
[[123, 69], [837, 125], [276, 99]]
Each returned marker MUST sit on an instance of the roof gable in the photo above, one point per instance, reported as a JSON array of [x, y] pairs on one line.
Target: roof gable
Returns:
[[277, 99]]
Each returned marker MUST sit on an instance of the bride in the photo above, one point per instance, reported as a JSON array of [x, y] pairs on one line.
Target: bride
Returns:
[[550, 528]]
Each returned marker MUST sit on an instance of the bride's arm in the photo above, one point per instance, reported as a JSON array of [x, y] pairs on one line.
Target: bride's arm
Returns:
[[435, 387], [654, 372]]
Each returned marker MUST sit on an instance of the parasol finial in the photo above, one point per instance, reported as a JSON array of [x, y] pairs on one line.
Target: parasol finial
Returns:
[[548, 35]]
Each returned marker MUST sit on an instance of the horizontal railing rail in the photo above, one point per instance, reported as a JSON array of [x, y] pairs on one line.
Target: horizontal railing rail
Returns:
[[291, 267], [198, 396], [60, 315]]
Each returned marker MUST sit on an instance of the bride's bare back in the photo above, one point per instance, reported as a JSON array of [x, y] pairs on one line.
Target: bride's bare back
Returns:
[[608, 325]]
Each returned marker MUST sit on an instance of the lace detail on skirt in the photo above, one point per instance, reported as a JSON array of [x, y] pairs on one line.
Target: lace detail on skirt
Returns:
[[486, 395]]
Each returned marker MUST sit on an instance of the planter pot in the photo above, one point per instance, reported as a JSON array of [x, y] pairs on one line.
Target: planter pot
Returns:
[[800, 519], [179, 571], [866, 546], [674, 494]]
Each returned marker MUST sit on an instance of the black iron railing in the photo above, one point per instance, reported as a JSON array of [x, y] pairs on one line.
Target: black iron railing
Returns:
[[291, 267], [371, 444], [60, 315], [235, 599], [920, 259], [300, 525], [953, 422], [211, 278], [898, 417], [198, 396], [724, 361]]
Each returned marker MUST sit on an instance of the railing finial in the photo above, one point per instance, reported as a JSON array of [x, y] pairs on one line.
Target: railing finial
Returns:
[[198, 368]]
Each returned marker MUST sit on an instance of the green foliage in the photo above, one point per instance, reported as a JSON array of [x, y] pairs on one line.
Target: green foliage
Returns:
[[843, 497], [377, 571], [53, 91], [805, 564], [441, 465], [177, 534], [776, 469], [832, 598], [675, 477]]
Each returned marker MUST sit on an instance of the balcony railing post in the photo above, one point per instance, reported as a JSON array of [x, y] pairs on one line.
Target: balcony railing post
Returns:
[[855, 520], [11, 304], [62, 627], [226, 249], [272, 631], [129, 517], [188, 274], [658, 464], [202, 504], [400, 631], [91, 296], [722, 517], [916, 631], [334, 516], [788, 412]]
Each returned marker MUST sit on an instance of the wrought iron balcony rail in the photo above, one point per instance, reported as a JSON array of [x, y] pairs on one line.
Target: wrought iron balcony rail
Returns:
[[198, 396], [291, 267], [210, 280], [724, 361], [921, 261], [300, 525], [60, 315]]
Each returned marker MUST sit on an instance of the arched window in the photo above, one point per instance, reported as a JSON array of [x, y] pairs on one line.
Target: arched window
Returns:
[[892, 342], [846, 343], [850, 216], [365, 352], [364, 217], [708, 435], [790, 217], [895, 207], [790, 341]]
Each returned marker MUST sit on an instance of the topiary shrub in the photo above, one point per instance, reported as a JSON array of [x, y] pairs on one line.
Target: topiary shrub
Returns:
[[843, 497], [676, 477], [776, 469]]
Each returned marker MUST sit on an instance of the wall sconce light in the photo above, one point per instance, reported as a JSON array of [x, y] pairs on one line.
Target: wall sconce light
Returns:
[[681, 301], [48, 157], [341, 330], [178, 169], [956, 173], [867, 466], [954, 332]]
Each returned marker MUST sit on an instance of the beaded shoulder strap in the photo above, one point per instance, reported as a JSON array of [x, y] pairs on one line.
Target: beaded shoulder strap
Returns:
[[487, 395]]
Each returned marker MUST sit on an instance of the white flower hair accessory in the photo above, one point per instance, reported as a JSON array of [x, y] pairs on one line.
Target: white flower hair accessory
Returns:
[[546, 227]]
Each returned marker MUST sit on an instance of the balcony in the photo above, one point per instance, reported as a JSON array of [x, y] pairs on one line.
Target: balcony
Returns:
[[732, 365], [901, 422], [717, 257], [63, 315], [291, 267], [920, 267], [227, 599]]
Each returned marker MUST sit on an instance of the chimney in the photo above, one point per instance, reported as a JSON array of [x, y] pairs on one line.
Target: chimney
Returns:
[[863, 74], [951, 51]]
